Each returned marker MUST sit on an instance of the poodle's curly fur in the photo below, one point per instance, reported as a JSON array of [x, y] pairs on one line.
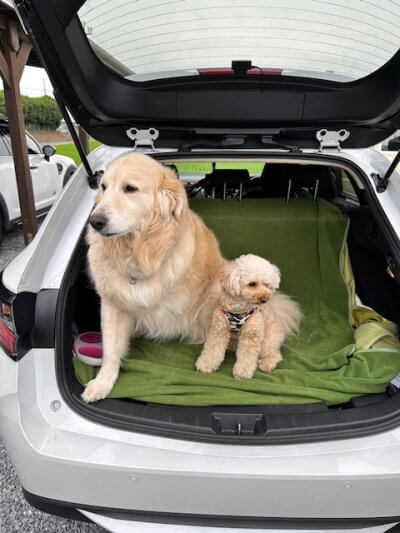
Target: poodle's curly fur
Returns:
[[249, 282]]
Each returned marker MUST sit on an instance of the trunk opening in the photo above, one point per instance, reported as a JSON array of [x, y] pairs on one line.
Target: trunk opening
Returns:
[[372, 257]]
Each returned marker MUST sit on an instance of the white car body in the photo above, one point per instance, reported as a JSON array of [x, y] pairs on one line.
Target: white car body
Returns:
[[315, 83], [125, 469], [48, 178]]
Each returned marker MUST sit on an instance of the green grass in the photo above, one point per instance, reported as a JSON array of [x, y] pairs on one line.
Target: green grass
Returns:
[[190, 167], [70, 150], [197, 167]]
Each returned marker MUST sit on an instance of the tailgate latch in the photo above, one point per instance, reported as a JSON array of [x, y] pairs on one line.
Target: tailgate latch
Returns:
[[143, 138], [331, 139], [239, 423]]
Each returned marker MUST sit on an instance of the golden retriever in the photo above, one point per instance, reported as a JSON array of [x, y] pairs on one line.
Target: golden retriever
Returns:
[[153, 262]]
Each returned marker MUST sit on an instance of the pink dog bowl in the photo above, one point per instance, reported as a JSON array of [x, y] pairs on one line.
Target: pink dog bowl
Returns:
[[88, 348]]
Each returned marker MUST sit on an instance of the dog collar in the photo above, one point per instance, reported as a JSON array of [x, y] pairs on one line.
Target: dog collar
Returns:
[[236, 320]]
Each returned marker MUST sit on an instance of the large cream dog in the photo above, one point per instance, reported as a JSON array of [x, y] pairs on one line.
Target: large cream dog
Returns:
[[153, 262]]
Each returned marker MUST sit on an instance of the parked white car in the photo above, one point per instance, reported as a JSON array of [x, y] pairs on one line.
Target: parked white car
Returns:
[[295, 131], [49, 175]]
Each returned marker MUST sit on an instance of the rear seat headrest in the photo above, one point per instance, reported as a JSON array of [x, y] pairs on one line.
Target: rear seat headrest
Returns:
[[275, 178], [230, 176]]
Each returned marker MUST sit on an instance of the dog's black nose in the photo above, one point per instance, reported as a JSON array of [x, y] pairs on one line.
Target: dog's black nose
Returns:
[[97, 222], [262, 300]]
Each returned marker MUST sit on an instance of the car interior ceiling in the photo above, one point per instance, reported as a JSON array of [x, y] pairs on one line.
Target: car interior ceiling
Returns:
[[369, 252]]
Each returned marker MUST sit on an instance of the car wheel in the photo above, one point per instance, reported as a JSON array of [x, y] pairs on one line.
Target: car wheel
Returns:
[[68, 173]]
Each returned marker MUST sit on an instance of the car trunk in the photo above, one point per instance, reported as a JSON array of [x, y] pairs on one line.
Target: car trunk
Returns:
[[316, 220]]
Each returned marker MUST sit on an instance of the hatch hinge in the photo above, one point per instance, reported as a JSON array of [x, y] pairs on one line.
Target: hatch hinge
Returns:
[[330, 140], [143, 138]]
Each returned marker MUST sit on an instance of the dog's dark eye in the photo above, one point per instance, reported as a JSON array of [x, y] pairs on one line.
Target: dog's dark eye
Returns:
[[253, 284], [103, 187], [130, 188]]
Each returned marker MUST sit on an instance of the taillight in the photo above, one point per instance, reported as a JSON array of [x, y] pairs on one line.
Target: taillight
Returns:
[[8, 336], [16, 321]]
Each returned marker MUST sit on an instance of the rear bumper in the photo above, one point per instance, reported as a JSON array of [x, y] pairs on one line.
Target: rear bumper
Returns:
[[61, 456]]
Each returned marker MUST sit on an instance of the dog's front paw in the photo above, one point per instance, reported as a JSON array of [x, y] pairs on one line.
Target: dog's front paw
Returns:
[[243, 371], [268, 364], [96, 390], [207, 364]]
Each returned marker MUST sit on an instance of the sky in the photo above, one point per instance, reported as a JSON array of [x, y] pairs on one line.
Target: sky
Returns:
[[34, 82]]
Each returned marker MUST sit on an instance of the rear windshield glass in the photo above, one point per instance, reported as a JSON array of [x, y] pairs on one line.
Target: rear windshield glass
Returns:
[[340, 40]]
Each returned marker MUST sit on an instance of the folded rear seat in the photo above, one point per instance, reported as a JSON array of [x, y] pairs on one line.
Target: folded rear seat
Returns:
[[231, 177], [275, 177]]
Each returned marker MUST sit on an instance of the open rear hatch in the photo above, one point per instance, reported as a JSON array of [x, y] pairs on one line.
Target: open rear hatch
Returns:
[[235, 75]]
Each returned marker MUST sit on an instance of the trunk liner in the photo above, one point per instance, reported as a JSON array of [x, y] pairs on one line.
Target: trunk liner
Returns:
[[329, 361]]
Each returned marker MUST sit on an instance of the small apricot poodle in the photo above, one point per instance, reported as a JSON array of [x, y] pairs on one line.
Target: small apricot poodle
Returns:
[[252, 318]]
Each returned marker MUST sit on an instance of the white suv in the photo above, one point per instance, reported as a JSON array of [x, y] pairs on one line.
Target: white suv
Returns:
[[283, 139], [49, 174]]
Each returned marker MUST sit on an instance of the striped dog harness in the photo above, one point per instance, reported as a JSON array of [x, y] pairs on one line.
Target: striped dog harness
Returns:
[[236, 320]]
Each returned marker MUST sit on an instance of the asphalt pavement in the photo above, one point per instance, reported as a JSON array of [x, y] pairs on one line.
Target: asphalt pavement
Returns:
[[15, 513]]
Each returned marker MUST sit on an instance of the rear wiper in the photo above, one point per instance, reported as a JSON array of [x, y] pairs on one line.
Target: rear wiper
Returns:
[[381, 182]]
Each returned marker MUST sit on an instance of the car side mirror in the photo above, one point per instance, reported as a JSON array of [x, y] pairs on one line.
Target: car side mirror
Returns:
[[391, 145], [48, 151]]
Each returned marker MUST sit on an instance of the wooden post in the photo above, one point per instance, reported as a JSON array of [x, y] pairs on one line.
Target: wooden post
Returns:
[[12, 63], [83, 139]]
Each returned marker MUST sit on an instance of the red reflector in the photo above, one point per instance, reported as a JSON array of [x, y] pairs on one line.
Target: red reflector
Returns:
[[7, 338], [215, 71], [229, 71], [266, 71]]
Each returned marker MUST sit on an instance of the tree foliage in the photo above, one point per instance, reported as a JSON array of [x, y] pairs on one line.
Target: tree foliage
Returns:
[[41, 113]]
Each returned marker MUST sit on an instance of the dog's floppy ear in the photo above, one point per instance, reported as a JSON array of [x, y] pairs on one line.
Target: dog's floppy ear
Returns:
[[229, 279], [275, 277], [172, 195]]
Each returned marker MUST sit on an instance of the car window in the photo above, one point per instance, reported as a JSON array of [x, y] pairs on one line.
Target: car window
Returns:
[[32, 145], [341, 40]]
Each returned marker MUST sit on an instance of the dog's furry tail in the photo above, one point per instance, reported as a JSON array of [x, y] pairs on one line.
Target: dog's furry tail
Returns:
[[288, 311]]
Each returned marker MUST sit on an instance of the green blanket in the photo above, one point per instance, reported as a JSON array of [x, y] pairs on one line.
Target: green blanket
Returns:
[[330, 360]]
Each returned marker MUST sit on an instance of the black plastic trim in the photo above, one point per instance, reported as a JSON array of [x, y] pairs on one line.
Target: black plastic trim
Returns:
[[43, 332], [282, 424], [23, 305], [5, 294], [54, 507], [250, 522]]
